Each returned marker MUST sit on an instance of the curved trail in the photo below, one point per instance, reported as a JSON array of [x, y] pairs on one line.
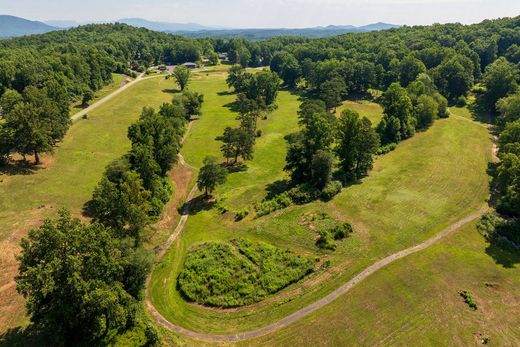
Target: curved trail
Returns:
[[301, 313]]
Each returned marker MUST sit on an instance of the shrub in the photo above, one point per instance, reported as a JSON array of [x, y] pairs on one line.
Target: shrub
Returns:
[[325, 241], [461, 101], [239, 272], [386, 149], [241, 214], [492, 226], [468, 299], [152, 336], [259, 133], [279, 202], [303, 194], [331, 190], [341, 231]]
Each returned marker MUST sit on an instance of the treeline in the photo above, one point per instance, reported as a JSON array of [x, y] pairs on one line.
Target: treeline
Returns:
[[84, 282], [41, 75], [500, 94], [453, 55]]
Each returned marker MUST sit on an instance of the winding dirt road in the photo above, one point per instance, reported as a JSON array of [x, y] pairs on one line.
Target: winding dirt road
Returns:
[[303, 311]]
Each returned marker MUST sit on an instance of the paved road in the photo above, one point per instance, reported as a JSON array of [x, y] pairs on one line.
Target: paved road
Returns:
[[306, 310], [110, 96]]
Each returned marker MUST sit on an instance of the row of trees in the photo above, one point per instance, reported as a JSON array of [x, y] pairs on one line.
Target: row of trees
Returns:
[[256, 96], [84, 282]]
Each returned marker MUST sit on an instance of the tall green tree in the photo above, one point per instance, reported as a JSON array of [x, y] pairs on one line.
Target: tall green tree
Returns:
[[357, 142], [211, 175], [122, 205], [500, 80], [398, 122], [322, 165], [332, 91], [72, 276], [410, 68], [181, 74], [36, 121], [237, 142], [317, 134]]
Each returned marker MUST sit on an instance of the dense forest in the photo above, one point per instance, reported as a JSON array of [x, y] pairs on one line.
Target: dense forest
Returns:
[[415, 73]]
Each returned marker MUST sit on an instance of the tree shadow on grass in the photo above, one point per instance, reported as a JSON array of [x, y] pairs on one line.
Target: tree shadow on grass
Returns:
[[494, 193], [18, 167], [171, 91], [21, 337], [236, 167], [277, 188], [225, 93], [480, 114], [233, 106], [196, 205], [503, 252]]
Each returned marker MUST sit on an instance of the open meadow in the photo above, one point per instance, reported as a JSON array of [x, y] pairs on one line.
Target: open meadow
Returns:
[[426, 184]]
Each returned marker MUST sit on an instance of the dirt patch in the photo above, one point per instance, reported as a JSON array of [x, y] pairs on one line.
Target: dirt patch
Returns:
[[181, 177], [11, 303]]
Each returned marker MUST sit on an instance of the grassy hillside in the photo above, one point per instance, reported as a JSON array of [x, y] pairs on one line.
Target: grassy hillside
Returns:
[[429, 182], [66, 179], [416, 300]]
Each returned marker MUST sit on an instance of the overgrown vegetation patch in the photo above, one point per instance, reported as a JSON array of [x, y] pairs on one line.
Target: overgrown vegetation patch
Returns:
[[328, 229], [239, 272], [468, 299]]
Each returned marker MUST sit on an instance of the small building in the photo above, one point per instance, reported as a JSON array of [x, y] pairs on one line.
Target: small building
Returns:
[[223, 56], [190, 65], [162, 68]]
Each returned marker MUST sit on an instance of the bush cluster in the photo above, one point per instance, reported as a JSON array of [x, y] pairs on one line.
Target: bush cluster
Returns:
[[279, 202], [239, 272], [330, 231], [468, 299]]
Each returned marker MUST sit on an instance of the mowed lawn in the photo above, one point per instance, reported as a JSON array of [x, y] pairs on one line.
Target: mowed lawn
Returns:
[[428, 183], [67, 179], [415, 301], [365, 108]]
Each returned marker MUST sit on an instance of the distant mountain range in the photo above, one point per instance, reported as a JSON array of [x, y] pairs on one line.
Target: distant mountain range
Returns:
[[11, 26], [261, 34]]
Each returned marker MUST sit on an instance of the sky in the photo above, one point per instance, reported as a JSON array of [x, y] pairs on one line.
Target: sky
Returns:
[[266, 13]]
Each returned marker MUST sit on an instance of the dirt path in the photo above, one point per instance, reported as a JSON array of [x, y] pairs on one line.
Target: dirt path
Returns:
[[95, 105], [308, 309]]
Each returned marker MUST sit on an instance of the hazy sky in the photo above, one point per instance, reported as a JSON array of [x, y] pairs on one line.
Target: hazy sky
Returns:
[[267, 13]]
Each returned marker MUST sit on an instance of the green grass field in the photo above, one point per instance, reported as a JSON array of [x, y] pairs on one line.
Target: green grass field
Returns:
[[414, 301], [67, 178], [426, 184], [365, 108], [429, 182]]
